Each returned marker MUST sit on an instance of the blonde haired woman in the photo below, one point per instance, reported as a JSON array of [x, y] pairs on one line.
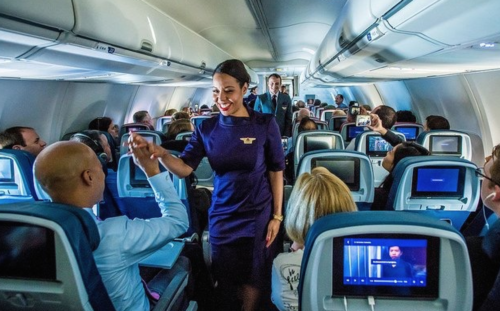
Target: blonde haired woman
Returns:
[[314, 195]]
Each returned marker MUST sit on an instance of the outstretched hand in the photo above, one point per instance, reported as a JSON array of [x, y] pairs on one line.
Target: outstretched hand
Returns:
[[143, 153], [377, 124]]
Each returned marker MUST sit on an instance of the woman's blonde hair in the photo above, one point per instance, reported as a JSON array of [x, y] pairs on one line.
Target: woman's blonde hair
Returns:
[[315, 195]]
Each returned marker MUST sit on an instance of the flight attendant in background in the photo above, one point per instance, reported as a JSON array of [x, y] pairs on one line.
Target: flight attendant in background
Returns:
[[244, 149]]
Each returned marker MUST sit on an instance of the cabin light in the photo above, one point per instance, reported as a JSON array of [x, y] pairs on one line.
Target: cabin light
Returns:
[[312, 52], [5, 61], [487, 45]]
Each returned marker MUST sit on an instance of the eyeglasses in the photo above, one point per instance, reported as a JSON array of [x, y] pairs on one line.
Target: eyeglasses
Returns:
[[480, 173], [495, 153]]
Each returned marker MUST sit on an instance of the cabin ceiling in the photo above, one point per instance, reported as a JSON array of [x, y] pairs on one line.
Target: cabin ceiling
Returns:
[[269, 36]]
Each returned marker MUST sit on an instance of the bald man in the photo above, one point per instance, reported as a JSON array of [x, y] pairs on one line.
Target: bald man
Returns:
[[71, 173]]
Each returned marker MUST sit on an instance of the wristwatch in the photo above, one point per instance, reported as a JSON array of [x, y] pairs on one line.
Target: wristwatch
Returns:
[[278, 217]]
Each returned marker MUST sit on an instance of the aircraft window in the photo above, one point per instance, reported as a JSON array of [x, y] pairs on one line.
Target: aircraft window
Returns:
[[363, 266]]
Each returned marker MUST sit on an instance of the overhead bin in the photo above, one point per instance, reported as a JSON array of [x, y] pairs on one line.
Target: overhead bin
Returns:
[[56, 14], [365, 39]]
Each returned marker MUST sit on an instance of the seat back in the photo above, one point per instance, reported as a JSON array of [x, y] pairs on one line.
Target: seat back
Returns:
[[444, 187], [346, 260], [375, 147], [409, 130], [184, 136], [205, 175], [326, 115], [352, 167], [16, 176], [133, 127], [150, 136], [315, 140], [162, 120], [196, 120], [319, 124], [447, 143], [349, 131], [336, 122], [47, 261]]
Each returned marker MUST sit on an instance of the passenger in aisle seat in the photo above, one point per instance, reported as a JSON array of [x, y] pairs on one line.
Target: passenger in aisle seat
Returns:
[[22, 138], [71, 174], [401, 151], [315, 195], [144, 118]]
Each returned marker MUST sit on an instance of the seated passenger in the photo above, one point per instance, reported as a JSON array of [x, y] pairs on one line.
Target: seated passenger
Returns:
[[97, 142], [144, 118], [169, 112], [22, 138], [306, 124], [436, 123], [315, 195], [103, 124], [175, 128], [71, 174], [180, 115], [401, 151], [406, 116], [303, 113]]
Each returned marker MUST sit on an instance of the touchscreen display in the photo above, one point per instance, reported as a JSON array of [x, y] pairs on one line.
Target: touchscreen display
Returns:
[[438, 181], [345, 168], [6, 170], [393, 265], [353, 131], [447, 145], [312, 143], [376, 146], [409, 132]]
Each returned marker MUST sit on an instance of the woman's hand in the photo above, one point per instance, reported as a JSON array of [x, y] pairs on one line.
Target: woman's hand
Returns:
[[272, 231], [137, 141]]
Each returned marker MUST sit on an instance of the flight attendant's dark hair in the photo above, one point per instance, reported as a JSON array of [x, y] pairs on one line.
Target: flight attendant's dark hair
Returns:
[[236, 69]]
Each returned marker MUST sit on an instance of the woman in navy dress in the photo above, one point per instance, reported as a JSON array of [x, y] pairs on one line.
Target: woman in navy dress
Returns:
[[244, 149]]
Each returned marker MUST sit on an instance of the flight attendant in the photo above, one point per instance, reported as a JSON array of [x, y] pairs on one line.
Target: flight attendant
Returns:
[[244, 149]]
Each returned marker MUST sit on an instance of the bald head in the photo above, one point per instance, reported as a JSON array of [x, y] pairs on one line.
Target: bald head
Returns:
[[70, 173]]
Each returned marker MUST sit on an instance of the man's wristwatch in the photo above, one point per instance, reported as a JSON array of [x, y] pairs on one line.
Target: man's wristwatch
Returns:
[[278, 217]]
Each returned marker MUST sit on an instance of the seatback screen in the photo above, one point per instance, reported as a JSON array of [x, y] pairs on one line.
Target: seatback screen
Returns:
[[345, 168], [337, 122], [312, 143], [353, 131], [26, 251], [409, 132], [446, 145], [6, 170], [391, 265], [438, 181], [376, 146]]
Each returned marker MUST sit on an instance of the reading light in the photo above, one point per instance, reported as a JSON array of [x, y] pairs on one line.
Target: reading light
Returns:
[[487, 45]]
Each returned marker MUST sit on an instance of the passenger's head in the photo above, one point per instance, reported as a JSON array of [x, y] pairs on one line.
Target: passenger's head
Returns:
[[339, 113], [177, 127], [303, 112], [169, 112], [315, 195], [116, 131], [230, 83], [22, 138], [103, 124], [180, 115], [283, 89], [387, 115], [300, 104], [253, 90], [97, 142], [490, 188], [401, 151], [406, 116], [142, 117], [306, 124], [395, 252], [70, 173], [317, 102], [339, 99], [274, 83], [436, 123]]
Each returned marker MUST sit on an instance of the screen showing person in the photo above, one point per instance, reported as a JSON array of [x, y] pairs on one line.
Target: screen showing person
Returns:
[[438, 181], [400, 265], [6, 170], [27, 251], [363, 120], [376, 146], [345, 168], [312, 143], [353, 131], [410, 133], [450, 145]]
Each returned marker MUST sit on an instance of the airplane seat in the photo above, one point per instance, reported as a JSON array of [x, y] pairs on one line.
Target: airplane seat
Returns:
[[196, 120], [352, 167], [51, 266], [184, 136], [326, 115], [165, 126], [205, 174], [445, 188], [346, 264], [335, 122], [447, 143], [162, 120], [150, 136], [349, 131], [318, 111], [375, 147], [410, 130], [136, 197], [295, 130], [314, 140], [67, 136], [16, 176], [294, 116]]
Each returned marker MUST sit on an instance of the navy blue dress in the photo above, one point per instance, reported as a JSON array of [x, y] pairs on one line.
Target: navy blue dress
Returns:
[[242, 151]]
